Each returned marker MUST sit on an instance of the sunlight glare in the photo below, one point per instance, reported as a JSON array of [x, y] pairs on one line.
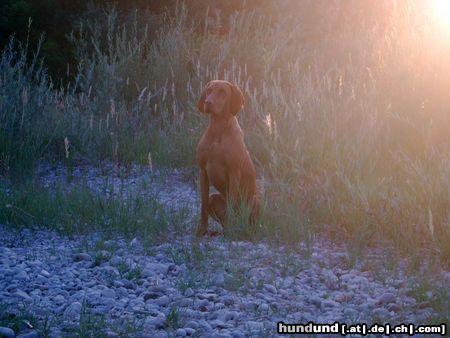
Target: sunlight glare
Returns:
[[440, 10]]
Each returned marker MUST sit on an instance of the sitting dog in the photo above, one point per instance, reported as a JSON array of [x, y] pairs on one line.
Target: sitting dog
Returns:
[[223, 157]]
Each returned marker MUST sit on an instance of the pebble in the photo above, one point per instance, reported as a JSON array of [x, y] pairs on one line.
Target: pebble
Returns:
[[180, 333], [22, 294], [44, 273], [73, 311], [191, 324], [270, 288], [386, 298], [254, 327], [6, 332], [31, 334], [380, 313], [159, 322], [189, 331], [208, 288], [78, 257], [189, 292]]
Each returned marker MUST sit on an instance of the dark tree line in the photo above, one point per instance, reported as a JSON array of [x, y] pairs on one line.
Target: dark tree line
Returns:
[[55, 19]]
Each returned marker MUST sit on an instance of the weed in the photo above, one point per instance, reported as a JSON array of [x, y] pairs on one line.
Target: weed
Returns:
[[173, 319], [90, 325], [79, 210], [352, 128]]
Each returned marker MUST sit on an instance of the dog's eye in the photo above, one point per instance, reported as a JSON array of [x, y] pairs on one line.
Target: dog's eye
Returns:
[[221, 92]]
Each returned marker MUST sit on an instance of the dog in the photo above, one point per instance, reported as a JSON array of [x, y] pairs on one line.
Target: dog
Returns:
[[223, 157]]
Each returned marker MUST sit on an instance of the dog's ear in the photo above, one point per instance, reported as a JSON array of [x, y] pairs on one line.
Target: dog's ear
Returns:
[[237, 99], [201, 100]]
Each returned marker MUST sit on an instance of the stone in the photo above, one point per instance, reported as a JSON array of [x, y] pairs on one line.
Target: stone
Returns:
[[22, 294], [192, 324], [317, 301], [254, 327], [380, 312], [189, 292], [73, 311], [81, 257], [180, 333], [205, 326], [189, 331], [386, 298], [159, 322], [231, 315], [329, 304], [330, 279], [218, 324], [6, 332], [148, 273], [163, 301], [151, 295], [135, 244], [219, 280], [207, 296], [108, 293], [228, 300], [270, 288], [158, 268], [31, 334], [59, 299], [22, 276], [237, 334], [44, 273]]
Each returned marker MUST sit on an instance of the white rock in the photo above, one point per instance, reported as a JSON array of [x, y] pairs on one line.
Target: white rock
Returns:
[[254, 327], [73, 311], [6, 332], [386, 298], [44, 273], [189, 292], [22, 294], [270, 288]]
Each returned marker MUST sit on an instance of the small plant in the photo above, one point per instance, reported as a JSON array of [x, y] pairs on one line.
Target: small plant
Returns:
[[90, 325], [130, 273], [433, 293], [79, 210], [17, 321], [173, 319]]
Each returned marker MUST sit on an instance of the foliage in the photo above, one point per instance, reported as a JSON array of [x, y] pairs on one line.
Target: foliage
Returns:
[[346, 113], [79, 210]]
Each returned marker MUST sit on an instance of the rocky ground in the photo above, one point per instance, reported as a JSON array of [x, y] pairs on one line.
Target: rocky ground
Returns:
[[90, 286]]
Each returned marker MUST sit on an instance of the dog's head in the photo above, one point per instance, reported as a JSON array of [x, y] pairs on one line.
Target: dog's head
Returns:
[[220, 97]]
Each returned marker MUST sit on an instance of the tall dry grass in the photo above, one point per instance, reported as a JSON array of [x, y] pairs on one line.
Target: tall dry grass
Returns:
[[346, 112]]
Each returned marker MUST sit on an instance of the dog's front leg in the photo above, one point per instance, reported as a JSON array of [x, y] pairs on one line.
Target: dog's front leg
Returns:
[[233, 189], [204, 193]]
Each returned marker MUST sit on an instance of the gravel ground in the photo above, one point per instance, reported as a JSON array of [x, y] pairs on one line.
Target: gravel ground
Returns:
[[212, 287]]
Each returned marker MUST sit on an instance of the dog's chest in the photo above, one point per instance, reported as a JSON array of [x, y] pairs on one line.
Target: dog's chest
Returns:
[[213, 152]]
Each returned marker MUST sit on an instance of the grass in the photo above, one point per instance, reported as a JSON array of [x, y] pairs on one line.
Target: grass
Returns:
[[20, 321], [173, 319], [79, 210], [94, 325], [347, 116]]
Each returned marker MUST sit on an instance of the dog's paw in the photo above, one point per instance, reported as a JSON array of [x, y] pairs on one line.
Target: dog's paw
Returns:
[[215, 233], [201, 232]]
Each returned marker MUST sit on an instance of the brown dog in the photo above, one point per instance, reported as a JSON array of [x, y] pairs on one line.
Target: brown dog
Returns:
[[223, 157]]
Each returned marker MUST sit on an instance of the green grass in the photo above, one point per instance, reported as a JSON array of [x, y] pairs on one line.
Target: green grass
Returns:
[[79, 210], [22, 320], [174, 320], [347, 117], [427, 291], [93, 325]]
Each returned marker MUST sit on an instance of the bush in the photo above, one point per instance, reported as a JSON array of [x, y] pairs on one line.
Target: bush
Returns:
[[349, 112]]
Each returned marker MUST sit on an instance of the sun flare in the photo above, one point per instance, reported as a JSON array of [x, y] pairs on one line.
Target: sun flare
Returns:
[[440, 10]]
